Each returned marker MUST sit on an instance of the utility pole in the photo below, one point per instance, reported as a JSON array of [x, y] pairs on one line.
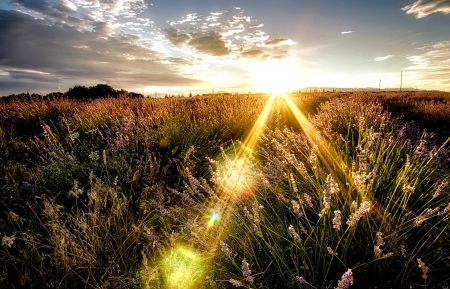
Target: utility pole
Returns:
[[379, 86], [401, 80]]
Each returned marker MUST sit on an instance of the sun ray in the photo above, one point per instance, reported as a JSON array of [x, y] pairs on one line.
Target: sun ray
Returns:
[[333, 162]]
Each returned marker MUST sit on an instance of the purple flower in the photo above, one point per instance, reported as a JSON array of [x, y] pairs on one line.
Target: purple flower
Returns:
[[26, 184], [300, 280], [346, 280], [246, 271], [439, 251]]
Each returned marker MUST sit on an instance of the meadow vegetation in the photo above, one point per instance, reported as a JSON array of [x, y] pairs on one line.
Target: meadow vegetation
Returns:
[[129, 192]]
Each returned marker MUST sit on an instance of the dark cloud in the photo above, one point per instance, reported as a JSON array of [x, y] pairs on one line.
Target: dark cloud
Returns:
[[277, 41], [59, 10], [176, 36], [210, 43], [33, 51], [423, 8]]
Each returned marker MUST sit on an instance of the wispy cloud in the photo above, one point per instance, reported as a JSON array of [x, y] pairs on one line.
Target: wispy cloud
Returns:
[[423, 8], [347, 32], [381, 58], [279, 42], [432, 68]]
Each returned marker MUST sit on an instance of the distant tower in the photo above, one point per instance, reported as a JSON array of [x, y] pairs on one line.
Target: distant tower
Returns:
[[401, 80]]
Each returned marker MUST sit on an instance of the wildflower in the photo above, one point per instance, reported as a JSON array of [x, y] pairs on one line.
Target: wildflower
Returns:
[[256, 209], [46, 130], [440, 188], [294, 185], [302, 228], [421, 148], [331, 252], [331, 187], [246, 271], [377, 248], [26, 184], [225, 248], [8, 241], [313, 157], [247, 214], [300, 279], [423, 267], [361, 122], [346, 280], [363, 209], [257, 230], [337, 220], [294, 234], [447, 209], [428, 214], [408, 189], [308, 199], [439, 251], [296, 208]]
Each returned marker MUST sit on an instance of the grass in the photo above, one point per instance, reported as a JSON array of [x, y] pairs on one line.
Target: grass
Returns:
[[167, 193]]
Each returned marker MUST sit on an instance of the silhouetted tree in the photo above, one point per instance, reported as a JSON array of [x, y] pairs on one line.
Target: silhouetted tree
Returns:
[[77, 92], [102, 91]]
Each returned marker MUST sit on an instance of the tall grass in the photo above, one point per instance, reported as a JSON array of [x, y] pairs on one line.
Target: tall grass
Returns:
[[116, 193]]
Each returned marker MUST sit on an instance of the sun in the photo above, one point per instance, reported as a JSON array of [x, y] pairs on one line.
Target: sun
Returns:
[[275, 75]]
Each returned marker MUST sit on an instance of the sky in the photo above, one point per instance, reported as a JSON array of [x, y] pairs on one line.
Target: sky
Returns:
[[201, 46]]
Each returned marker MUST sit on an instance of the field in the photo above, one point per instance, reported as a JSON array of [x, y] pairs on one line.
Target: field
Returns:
[[305, 190]]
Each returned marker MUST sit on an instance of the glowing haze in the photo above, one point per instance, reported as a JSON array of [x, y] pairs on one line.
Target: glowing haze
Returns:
[[200, 46]]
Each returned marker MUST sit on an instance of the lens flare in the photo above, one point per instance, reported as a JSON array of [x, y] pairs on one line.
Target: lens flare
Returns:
[[182, 268], [213, 217], [237, 178]]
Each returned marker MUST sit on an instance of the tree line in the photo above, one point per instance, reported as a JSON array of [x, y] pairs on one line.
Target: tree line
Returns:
[[77, 92]]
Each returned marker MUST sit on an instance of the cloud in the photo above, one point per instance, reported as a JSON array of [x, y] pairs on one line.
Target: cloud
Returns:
[[347, 32], [230, 34], [279, 42], [63, 53], [254, 53], [47, 42], [176, 36], [423, 8], [432, 67], [210, 43], [381, 58], [82, 12]]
